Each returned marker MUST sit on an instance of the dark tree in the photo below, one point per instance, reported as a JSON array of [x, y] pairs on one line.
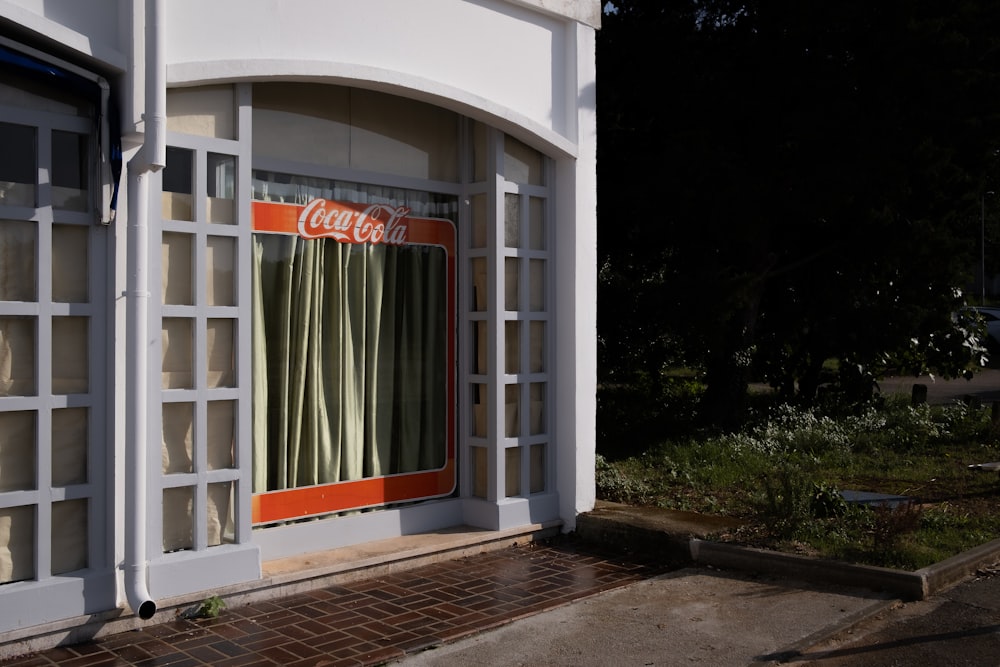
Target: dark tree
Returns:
[[782, 183]]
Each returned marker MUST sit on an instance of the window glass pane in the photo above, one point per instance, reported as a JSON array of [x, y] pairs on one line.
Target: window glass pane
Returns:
[[360, 129], [70, 170], [70, 355], [479, 396], [17, 356], [69, 446], [17, 89], [512, 463], [479, 348], [288, 188], [69, 536], [363, 328], [512, 270], [512, 221], [536, 269], [536, 223], [512, 350], [70, 268], [537, 469], [221, 361], [18, 452], [537, 342], [479, 152], [207, 111], [537, 391], [178, 179], [220, 255], [176, 269], [18, 241], [479, 221], [19, 167], [221, 204], [521, 163], [178, 356], [479, 294], [177, 451], [351, 356], [17, 544], [302, 122], [479, 468], [221, 424], [512, 394], [221, 526], [178, 531], [395, 135]]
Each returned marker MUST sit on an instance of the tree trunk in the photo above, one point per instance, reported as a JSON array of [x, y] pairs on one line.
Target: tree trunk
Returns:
[[725, 402]]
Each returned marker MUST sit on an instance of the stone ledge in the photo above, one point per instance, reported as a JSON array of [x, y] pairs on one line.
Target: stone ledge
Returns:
[[684, 537]]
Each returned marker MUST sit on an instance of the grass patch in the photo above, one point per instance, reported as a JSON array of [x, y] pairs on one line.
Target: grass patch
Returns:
[[782, 476]]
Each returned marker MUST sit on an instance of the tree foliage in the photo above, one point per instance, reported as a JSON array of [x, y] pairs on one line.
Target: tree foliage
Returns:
[[782, 183]]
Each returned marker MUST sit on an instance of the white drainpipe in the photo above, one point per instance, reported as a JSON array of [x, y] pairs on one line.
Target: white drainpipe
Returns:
[[150, 157]]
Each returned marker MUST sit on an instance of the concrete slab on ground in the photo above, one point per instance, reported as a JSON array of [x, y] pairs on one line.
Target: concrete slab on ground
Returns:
[[691, 616]]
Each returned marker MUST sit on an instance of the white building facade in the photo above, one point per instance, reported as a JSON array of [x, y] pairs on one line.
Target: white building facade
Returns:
[[281, 278]]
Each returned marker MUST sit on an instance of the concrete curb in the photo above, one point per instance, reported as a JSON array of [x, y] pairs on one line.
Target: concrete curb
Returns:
[[917, 585], [679, 538], [907, 585]]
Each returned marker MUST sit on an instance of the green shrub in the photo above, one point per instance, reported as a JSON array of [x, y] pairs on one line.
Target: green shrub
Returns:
[[783, 473]]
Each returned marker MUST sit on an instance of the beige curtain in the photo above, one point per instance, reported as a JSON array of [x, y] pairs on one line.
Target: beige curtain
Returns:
[[349, 360]]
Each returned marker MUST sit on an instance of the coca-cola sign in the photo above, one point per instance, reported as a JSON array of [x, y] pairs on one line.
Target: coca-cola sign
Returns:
[[376, 223], [345, 222]]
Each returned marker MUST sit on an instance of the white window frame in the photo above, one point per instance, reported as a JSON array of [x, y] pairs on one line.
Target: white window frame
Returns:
[[92, 589]]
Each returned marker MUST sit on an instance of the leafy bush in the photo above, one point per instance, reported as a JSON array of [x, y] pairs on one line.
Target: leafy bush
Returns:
[[782, 475], [616, 484], [631, 418]]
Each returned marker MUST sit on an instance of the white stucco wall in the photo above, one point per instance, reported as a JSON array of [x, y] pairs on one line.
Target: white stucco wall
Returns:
[[494, 60], [91, 28]]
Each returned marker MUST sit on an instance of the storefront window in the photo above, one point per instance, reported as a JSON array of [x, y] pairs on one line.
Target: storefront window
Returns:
[[353, 343]]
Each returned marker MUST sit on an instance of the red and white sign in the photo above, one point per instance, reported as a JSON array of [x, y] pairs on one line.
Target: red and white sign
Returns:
[[343, 221]]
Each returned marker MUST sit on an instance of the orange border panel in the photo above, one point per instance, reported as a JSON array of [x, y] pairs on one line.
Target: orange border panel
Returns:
[[290, 504]]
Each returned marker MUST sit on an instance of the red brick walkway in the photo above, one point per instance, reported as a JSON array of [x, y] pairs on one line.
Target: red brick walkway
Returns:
[[373, 621]]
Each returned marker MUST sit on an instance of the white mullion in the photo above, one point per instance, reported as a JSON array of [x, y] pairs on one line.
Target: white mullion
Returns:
[[496, 320], [549, 356], [243, 429], [465, 335], [98, 386], [524, 330], [43, 539], [43, 516], [43, 369], [199, 513], [464, 359], [43, 356], [199, 195]]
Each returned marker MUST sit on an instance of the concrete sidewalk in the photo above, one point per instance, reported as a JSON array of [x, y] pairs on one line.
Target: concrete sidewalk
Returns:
[[694, 616], [732, 606]]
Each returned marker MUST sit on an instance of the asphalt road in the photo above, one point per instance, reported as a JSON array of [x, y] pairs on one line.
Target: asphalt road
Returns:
[[984, 386], [959, 627]]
